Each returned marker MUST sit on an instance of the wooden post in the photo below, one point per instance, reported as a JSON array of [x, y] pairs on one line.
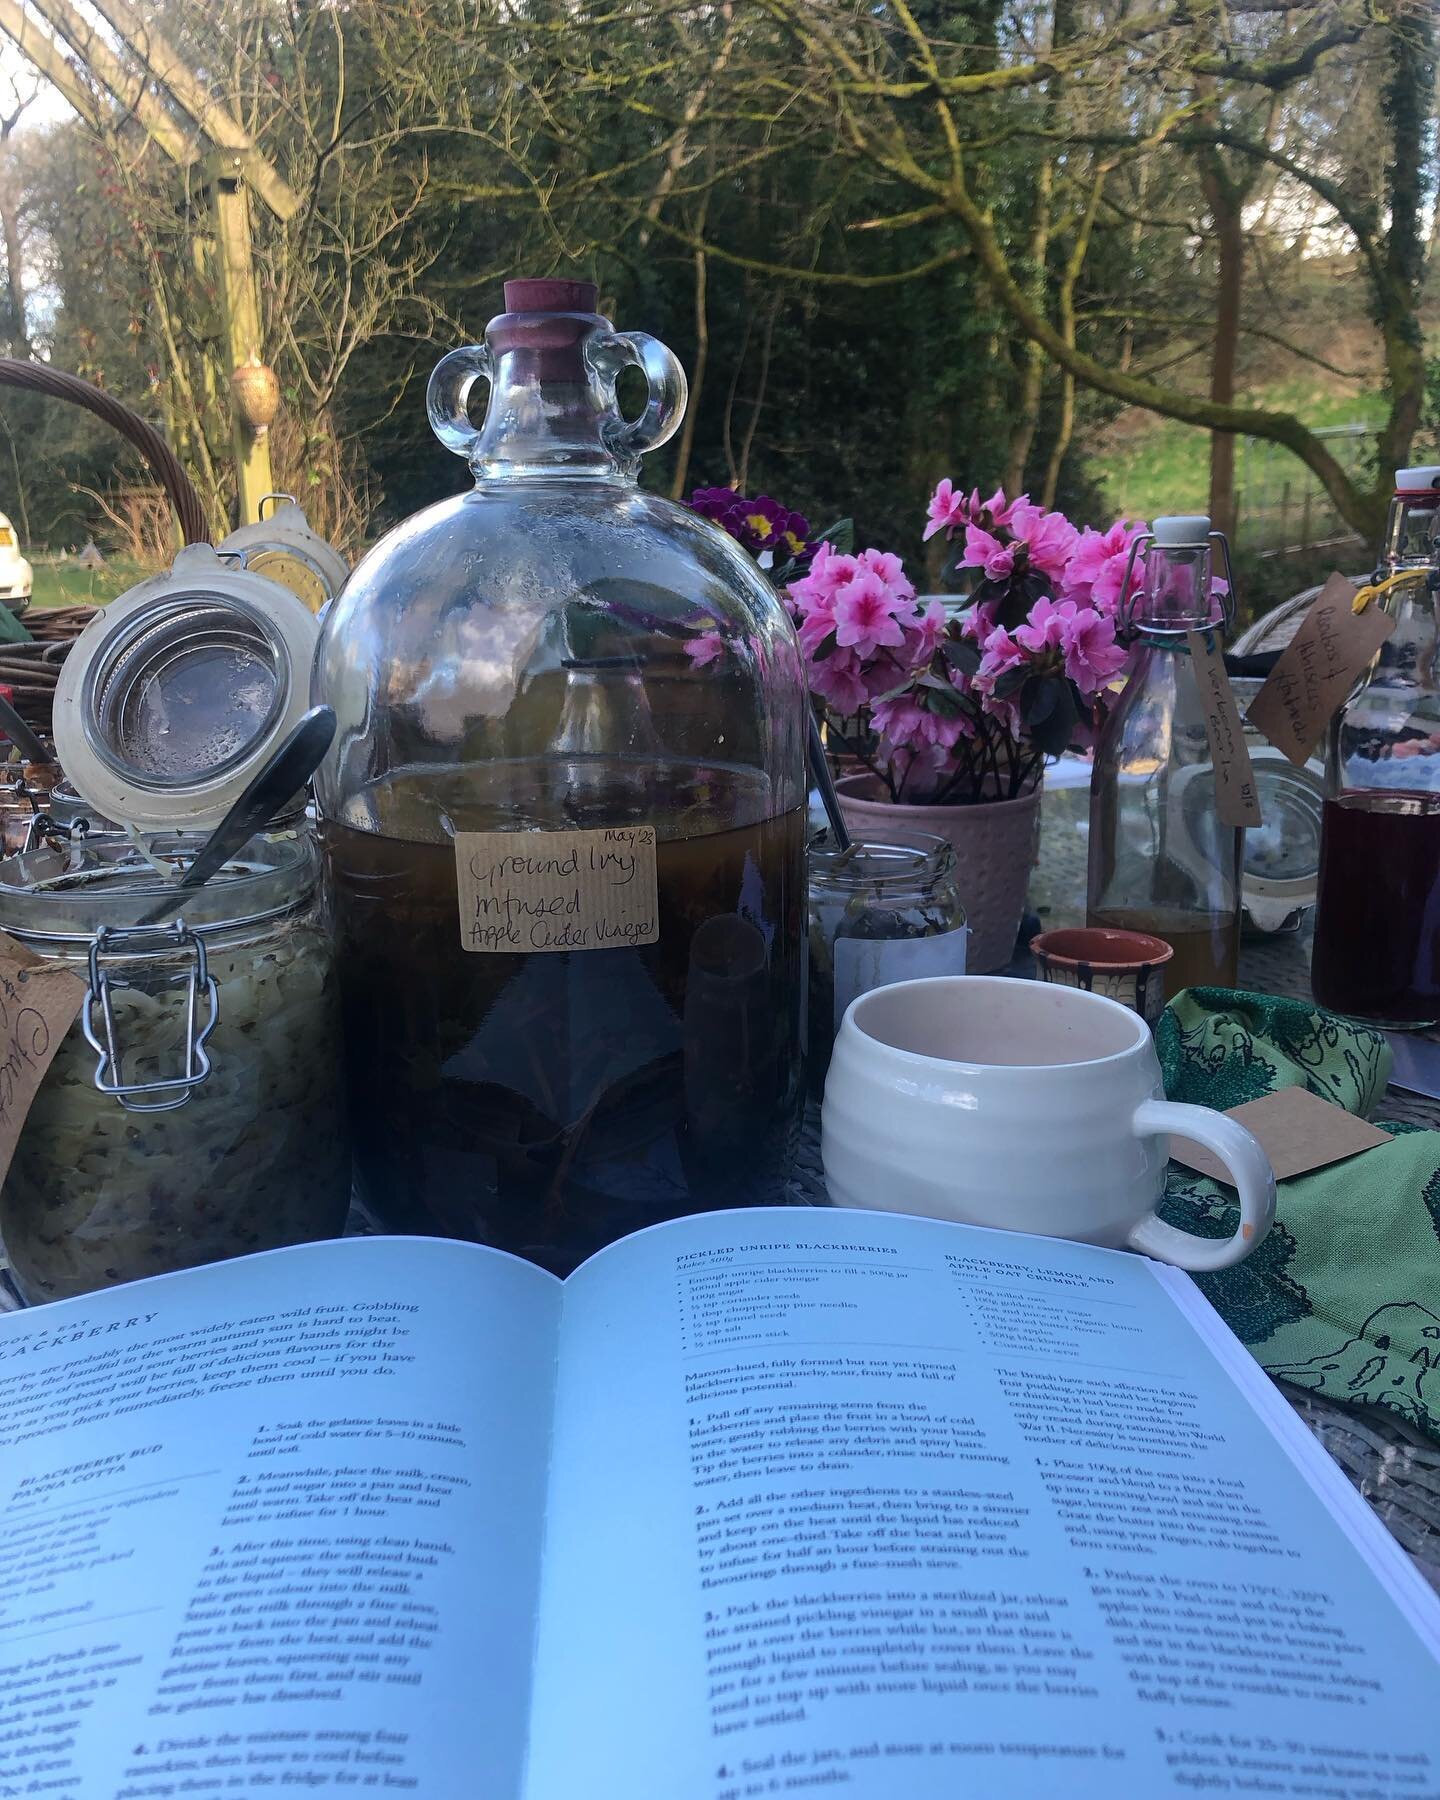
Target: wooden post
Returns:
[[239, 321]]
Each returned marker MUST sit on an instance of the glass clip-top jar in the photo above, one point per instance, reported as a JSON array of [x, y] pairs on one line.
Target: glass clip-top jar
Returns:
[[883, 910], [214, 1123]]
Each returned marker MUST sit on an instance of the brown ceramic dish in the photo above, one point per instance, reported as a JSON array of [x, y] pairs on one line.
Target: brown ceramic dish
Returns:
[[1128, 966]]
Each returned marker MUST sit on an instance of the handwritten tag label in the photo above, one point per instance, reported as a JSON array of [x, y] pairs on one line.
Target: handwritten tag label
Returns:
[[557, 890], [38, 1004], [1317, 669], [1297, 1130], [1236, 801]]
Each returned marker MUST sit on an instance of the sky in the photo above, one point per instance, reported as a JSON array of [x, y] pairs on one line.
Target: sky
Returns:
[[47, 108]]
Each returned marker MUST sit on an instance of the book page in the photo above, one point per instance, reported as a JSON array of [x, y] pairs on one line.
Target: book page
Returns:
[[274, 1527], [856, 1502]]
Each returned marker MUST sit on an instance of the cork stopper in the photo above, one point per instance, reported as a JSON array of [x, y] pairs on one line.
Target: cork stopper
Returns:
[[551, 295]]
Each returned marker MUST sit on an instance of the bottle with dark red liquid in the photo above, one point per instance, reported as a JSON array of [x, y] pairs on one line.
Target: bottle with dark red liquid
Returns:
[[1377, 920]]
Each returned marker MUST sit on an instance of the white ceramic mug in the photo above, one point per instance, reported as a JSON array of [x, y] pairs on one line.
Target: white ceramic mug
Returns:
[[1026, 1106]]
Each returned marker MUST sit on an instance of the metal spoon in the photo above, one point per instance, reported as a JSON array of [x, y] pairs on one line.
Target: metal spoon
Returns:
[[283, 776], [820, 775]]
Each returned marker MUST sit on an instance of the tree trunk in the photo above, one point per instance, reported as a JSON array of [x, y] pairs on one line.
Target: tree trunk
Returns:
[[14, 271], [697, 379], [1226, 200], [1409, 108], [1032, 369]]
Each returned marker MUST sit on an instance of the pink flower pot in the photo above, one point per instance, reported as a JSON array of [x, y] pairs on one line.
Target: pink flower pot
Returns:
[[996, 843]]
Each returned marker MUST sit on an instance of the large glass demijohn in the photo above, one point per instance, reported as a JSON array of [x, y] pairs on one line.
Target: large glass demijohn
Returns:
[[593, 1022]]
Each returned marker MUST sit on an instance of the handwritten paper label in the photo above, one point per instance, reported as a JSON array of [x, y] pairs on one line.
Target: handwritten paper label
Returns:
[[557, 890], [1297, 1130], [1317, 669], [1236, 801], [38, 1004]]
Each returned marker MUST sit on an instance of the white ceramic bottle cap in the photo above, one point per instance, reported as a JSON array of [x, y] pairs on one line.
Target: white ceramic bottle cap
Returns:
[[1191, 530], [1416, 480], [174, 695]]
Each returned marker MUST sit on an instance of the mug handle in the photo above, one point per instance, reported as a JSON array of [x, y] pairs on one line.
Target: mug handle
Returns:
[[1249, 1168]]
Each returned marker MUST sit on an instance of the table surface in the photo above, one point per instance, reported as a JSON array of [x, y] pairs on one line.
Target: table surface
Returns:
[[1396, 1468]]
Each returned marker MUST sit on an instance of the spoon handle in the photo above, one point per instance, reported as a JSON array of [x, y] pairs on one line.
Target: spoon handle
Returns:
[[20, 734], [285, 774]]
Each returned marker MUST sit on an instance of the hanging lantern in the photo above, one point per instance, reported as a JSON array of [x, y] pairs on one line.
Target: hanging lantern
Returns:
[[257, 394]]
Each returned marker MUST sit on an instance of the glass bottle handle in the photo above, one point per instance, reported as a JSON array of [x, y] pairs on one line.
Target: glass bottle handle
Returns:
[[447, 397], [664, 402]]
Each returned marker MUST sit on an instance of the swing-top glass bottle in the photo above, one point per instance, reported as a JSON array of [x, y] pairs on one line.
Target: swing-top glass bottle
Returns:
[[1377, 915], [1161, 859]]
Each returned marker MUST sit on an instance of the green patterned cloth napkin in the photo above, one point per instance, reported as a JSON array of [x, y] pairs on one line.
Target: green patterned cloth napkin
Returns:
[[1343, 1296]]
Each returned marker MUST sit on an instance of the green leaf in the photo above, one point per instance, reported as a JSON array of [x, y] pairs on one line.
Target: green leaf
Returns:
[[1052, 721], [840, 536], [963, 654], [1012, 680]]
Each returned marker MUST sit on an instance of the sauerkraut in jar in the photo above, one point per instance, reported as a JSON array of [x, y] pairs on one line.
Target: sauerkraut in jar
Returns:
[[177, 1170]]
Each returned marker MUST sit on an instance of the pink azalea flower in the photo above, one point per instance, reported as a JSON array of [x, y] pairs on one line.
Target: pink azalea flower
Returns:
[[828, 573], [1000, 509], [814, 628], [946, 511], [839, 681], [704, 648], [1095, 551], [889, 568], [1092, 657], [865, 618], [929, 630], [904, 722], [949, 510], [1049, 537], [1001, 652], [1046, 626], [982, 551]]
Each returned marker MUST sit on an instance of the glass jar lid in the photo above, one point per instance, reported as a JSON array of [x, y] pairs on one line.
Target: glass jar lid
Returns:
[[901, 863], [178, 691], [282, 547], [66, 896]]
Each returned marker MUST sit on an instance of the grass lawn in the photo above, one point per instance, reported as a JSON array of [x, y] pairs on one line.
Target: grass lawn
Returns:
[[65, 584], [1153, 465]]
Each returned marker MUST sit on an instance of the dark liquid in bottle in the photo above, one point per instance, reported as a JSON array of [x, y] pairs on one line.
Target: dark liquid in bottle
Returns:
[[549, 1103], [1377, 916]]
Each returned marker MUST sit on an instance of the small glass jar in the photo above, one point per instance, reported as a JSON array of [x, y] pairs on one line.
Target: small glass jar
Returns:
[[887, 909], [195, 1110]]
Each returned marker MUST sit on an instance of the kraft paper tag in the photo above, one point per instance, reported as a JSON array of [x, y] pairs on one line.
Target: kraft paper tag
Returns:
[[1297, 1131], [524, 891], [1236, 801], [38, 1004], [1317, 669]]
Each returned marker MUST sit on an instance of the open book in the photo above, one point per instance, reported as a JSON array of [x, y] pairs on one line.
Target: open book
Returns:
[[756, 1503]]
